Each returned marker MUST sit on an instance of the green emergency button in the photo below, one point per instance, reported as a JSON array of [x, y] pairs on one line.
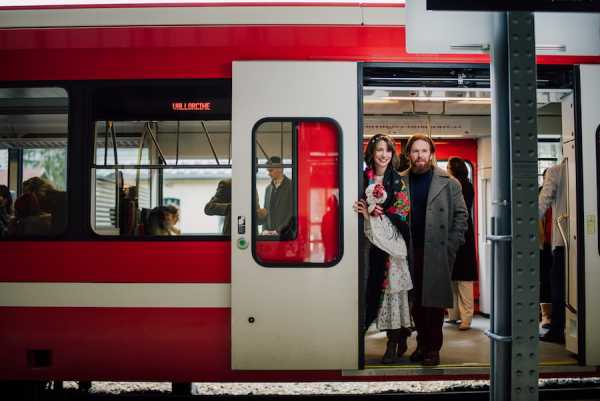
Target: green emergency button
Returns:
[[242, 243]]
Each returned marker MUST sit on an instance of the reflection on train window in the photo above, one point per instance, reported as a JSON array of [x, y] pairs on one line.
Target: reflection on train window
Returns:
[[297, 193], [159, 178], [33, 162], [4, 167]]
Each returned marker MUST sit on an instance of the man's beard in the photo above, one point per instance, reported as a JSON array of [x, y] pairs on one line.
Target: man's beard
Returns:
[[421, 169]]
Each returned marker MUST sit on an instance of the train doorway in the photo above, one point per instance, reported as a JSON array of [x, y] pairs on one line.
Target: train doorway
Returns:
[[451, 104]]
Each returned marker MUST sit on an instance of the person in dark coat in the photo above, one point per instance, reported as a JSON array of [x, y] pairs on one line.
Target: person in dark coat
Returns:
[[279, 202], [220, 204], [438, 221], [465, 265]]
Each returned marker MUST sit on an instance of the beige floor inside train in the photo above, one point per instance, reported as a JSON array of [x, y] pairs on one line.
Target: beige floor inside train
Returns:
[[461, 348]]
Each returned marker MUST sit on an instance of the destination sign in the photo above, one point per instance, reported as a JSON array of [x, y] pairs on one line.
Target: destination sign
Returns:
[[592, 6]]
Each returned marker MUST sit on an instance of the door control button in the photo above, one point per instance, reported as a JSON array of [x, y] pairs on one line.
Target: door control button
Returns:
[[242, 243]]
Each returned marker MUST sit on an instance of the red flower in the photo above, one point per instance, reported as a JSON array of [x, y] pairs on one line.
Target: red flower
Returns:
[[370, 174], [378, 191]]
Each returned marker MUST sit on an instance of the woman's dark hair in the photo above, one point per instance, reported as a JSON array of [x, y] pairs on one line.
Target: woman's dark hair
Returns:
[[27, 205], [391, 146], [458, 169], [5, 193], [157, 219]]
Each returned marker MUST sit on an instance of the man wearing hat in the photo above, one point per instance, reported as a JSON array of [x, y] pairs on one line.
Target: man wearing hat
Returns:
[[278, 199]]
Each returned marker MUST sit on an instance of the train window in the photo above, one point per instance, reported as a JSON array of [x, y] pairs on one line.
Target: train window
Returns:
[[160, 178], [33, 162], [297, 193]]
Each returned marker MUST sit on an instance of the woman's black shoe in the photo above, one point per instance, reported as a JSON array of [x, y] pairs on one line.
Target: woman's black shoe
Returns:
[[416, 356], [390, 352]]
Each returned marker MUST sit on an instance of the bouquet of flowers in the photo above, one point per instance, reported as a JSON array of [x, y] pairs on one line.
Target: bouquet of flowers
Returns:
[[376, 195]]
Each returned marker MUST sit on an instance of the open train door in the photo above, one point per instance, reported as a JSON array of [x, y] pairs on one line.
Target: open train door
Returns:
[[294, 252], [584, 239]]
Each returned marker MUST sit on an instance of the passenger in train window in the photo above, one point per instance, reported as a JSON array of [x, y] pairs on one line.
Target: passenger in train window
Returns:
[[29, 218], [438, 221], [385, 213], [554, 195], [278, 202], [5, 210], [51, 201], [465, 265], [220, 204], [545, 244], [163, 221]]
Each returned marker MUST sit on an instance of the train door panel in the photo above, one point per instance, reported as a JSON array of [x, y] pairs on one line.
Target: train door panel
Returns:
[[567, 224], [294, 258], [589, 90]]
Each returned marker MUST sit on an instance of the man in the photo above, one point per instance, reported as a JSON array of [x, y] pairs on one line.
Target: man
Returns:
[[278, 201], [438, 221], [554, 195], [220, 205]]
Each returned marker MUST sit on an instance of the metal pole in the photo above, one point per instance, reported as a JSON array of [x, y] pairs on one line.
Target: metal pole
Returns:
[[501, 176]]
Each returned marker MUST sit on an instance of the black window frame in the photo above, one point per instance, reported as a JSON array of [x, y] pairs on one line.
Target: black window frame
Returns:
[[295, 122], [224, 88], [65, 233]]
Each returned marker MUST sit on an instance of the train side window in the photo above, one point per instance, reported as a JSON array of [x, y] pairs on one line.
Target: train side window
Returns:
[[156, 178], [296, 218], [33, 162]]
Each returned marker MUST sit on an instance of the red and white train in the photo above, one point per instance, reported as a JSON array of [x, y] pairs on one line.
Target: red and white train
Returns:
[[123, 108]]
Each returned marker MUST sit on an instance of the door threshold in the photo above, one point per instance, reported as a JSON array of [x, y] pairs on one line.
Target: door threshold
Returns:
[[455, 369]]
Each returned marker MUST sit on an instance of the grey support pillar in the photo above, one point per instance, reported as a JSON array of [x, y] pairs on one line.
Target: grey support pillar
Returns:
[[524, 191], [514, 327]]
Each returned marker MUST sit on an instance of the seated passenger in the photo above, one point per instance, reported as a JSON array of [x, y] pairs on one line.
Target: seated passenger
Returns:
[[51, 201], [278, 201], [162, 221], [5, 210], [29, 219]]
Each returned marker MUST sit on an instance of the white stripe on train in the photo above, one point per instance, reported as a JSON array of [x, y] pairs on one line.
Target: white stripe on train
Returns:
[[119, 295]]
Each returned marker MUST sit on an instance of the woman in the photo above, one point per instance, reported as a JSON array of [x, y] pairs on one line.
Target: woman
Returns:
[[465, 266], [162, 221], [5, 210], [386, 226], [29, 219]]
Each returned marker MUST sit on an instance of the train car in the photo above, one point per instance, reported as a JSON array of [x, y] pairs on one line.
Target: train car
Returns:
[[113, 114]]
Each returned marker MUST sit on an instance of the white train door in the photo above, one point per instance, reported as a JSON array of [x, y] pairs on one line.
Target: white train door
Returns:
[[589, 85], [567, 224], [294, 251]]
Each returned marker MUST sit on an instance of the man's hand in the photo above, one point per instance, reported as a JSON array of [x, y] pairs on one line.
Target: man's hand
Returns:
[[261, 213]]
